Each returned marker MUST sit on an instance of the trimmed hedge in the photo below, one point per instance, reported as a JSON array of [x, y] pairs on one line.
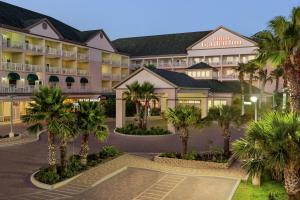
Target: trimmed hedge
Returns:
[[132, 129]]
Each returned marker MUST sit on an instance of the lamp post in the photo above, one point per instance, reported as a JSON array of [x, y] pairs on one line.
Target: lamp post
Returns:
[[254, 100], [11, 134]]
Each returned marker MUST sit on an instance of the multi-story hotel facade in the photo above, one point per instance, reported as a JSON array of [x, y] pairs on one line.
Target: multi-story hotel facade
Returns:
[[36, 50]]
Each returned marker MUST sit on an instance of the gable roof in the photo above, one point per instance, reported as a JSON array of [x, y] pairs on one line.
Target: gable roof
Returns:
[[21, 18], [181, 80], [158, 44], [201, 65]]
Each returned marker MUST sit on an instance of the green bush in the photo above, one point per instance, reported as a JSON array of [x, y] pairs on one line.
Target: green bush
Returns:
[[75, 164], [47, 176], [108, 151], [155, 112], [191, 155], [131, 129]]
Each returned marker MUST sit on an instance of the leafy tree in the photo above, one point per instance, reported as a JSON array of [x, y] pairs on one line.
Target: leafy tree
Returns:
[[182, 117], [91, 120], [277, 139], [251, 68], [276, 74]]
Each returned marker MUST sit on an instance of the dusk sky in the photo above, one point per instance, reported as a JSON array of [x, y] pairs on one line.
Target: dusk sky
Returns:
[[127, 18]]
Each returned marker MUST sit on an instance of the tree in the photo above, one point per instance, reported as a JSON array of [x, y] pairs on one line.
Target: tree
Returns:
[[276, 74], [263, 77], [242, 70], [46, 108], [182, 117], [91, 120], [277, 137], [225, 116], [279, 45], [251, 68]]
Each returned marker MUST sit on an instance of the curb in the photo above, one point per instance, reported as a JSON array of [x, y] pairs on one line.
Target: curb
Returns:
[[142, 136], [234, 190], [108, 176], [19, 139]]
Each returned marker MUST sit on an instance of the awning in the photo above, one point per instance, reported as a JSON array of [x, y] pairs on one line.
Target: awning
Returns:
[[84, 80], [13, 76], [53, 79], [70, 79], [31, 78]]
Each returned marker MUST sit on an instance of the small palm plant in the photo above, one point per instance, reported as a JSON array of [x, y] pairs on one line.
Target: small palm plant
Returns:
[[264, 77], [182, 117], [277, 139], [225, 116], [46, 108], [91, 120], [242, 70]]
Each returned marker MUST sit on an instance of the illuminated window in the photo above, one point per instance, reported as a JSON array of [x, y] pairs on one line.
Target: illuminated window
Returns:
[[198, 74], [207, 74], [194, 74], [217, 103]]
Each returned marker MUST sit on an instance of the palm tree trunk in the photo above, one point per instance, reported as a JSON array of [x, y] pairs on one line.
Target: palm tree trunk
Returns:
[[291, 181], [51, 152], [184, 142], [63, 155], [256, 179], [226, 135], [250, 83], [277, 84], [243, 96], [145, 115], [84, 149], [138, 114]]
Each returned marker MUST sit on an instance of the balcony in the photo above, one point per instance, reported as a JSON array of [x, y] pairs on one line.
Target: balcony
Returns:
[[229, 77], [69, 54], [164, 65], [82, 56], [106, 61], [16, 90], [8, 66], [106, 89], [124, 76], [53, 51], [53, 70], [34, 48], [33, 68], [136, 65], [180, 65], [116, 77], [106, 76], [230, 63], [69, 71], [82, 72], [124, 64], [116, 63], [13, 45]]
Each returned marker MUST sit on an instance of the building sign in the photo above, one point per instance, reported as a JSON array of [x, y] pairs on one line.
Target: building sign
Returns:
[[222, 41]]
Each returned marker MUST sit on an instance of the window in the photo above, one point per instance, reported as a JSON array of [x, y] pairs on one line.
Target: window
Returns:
[[198, 74], [194, 74], [202, 73], [196, 103], [207, 74], [217, 103]]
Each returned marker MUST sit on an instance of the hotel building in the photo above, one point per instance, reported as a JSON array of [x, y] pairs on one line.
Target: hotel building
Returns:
[[36, 49]]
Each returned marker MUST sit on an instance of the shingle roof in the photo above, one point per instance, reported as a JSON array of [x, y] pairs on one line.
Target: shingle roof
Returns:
[[158, 44], [21, 18], [201, 65], [185, 81]]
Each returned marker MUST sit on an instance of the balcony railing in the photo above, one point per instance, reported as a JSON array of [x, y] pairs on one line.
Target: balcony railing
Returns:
[[116, 77], [230, 77], [82, 56], [13, 44], [82, 72], [34, 48], [53, 51], [69, 54], [180, 64], [53, 70], [230, 62], [165, 65], [16, 90], [106, 89], [8, 66], [106, 76], [106, 61], [124, 76], [116, 63], [134, 65], [33, 68], [69, 71]]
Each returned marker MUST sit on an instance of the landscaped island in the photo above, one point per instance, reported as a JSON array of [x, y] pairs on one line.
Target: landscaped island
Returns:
[[132, 129]]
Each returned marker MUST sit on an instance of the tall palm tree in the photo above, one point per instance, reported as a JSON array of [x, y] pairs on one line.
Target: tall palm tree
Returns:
[[263, 77], [147, 93], [251, 68], [225, 116], [276, 74], [45, 108], [182, 117], [279, 45], [277, 138], [242, 70], [134, 94], [91, 120]]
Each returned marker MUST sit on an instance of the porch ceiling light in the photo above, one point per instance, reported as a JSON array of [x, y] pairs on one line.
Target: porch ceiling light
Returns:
[[253, 99]]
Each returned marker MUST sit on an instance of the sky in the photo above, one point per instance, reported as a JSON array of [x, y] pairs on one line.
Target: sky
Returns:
[[128, 18]]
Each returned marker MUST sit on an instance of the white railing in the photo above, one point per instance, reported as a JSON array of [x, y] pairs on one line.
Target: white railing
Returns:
[[33, 68], [13, 44], [8, 66], [116, 63], [69, 71], [106, 89], [69, 54], [34, 48], [53, 51], [53, 70], [165, 65], [116, 77], [106, 76], [16, 90], [82, 72], [106, 61], [180, 64], [124, 76], [124, 64], [82, 56], [230, 62], [133, 65], [230, 77]]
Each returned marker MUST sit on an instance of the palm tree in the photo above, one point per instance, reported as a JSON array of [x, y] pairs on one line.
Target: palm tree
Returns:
[[46, 108], [276, 74], [277, 137], [182, 117], [263, 77], [147, 92], [225, 116], [279, 45], [251, 68], [134, 94], [242, 70], [91, 120]]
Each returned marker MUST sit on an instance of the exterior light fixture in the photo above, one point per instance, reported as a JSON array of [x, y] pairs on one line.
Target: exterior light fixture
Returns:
[[254, 100]]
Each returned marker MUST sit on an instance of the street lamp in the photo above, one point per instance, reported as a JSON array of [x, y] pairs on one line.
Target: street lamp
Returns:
[[254, 100], [11, 134]]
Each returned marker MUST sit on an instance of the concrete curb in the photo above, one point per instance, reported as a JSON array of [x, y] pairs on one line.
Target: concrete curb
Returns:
[[53, 186], [20, 140], [234, 190], [142, 136]]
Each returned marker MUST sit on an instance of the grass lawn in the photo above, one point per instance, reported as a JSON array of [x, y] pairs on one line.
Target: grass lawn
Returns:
[[246, 191]]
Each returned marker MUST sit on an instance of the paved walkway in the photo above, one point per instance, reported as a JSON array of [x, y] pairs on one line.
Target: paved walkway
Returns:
[[98, 174]]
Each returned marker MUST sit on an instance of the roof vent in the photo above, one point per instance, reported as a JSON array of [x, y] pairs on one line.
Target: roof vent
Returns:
[[45, 25]]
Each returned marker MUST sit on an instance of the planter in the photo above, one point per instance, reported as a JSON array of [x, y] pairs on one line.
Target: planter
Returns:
[[193, 163], [141, 136], [9, 139]]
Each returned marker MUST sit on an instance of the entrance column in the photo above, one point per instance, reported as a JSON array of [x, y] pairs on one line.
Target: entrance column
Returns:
[[120, 109], [172, 97]]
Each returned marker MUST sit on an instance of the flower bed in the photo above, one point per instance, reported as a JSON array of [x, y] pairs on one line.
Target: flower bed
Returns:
[[46, 176], [195, 160], [7, 136], [131, 129]]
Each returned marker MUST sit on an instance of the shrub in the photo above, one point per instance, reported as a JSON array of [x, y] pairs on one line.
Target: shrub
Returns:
[[75, 164], [132, 129], [273, 196], [108, 151], [170, 155], [191, 155], [47, 176], [155, 112]]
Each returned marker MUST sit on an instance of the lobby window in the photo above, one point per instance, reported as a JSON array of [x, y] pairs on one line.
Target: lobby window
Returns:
[[194, 74], [207, 74], [196, 103], [198, 74], [217, 103]]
